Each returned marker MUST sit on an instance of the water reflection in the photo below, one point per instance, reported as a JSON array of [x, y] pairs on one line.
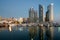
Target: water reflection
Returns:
[[31, 33]]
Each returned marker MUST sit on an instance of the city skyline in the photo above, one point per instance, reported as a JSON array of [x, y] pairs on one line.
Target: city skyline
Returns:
[[20, 8]]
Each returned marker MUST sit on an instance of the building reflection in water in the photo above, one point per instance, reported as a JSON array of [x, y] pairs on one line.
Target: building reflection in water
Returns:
[[45, 33], [49, 32], [41, 32], [32, 32]]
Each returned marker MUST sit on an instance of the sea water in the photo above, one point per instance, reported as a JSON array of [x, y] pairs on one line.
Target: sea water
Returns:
[[22, 33]]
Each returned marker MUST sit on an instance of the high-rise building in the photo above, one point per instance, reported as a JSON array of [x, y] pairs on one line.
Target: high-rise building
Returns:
[[35, 16], [41, 19], [31, 15], [47, 16], [50, 12]]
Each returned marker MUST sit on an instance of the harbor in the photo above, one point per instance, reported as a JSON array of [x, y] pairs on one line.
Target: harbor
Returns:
[[27, 33]]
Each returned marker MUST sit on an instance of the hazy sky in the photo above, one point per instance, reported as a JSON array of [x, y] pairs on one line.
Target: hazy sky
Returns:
[[20, 8]]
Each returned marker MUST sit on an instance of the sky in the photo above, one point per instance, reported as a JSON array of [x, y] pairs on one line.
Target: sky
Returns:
[[20, 8]]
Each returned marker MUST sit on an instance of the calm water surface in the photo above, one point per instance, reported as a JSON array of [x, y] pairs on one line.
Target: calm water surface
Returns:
[[21, 33]]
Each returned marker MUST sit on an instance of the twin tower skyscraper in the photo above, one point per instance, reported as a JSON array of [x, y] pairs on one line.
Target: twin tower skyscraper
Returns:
[[49, 14]]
